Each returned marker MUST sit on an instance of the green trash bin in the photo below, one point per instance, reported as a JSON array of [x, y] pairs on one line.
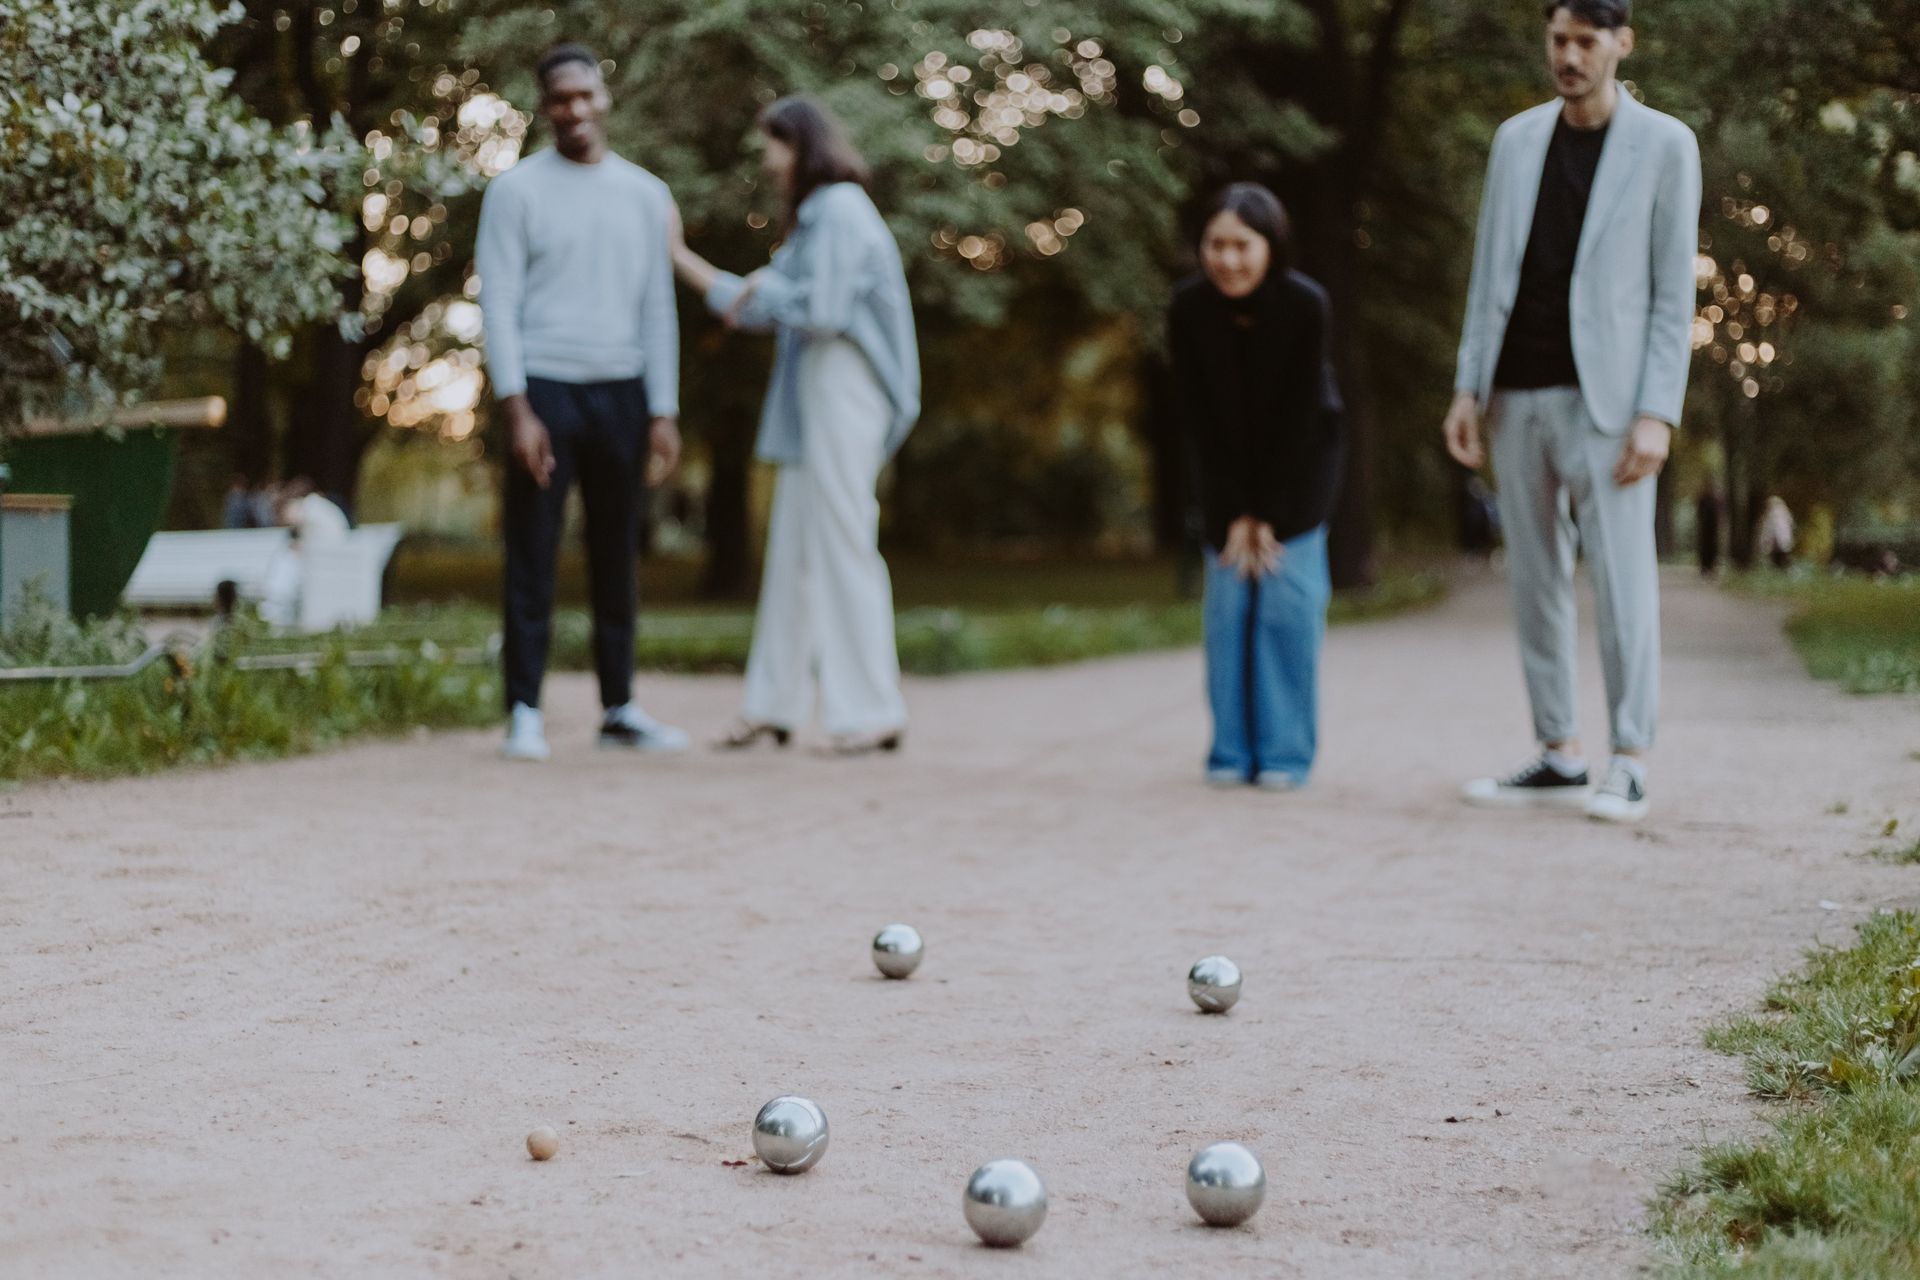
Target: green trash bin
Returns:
[[119, 479], [119, 489]]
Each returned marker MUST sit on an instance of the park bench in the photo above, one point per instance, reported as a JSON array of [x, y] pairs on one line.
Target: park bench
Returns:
[[340, 578]]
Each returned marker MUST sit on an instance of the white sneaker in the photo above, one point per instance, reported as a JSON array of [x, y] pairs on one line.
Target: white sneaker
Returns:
[[1221, 779], [628, 728], [526, 734], [1621, 798], [1275, 780]]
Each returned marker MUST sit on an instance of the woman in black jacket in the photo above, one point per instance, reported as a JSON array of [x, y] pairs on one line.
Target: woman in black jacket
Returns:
[[1263, 420]]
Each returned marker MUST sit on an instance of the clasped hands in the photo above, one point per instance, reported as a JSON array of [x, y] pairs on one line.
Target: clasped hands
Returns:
[[1251, 550]]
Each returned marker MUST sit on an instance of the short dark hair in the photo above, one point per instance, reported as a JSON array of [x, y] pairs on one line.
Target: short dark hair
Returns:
[[1264, 215], [823, 153], [559, 55], [1608, 15]]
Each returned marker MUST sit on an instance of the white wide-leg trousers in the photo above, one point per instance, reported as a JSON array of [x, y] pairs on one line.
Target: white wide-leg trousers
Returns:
[[826, 602]]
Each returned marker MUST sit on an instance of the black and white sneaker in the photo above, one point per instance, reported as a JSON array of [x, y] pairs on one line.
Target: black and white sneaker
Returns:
[[628, 728], [1539, 784], [1622, 797]]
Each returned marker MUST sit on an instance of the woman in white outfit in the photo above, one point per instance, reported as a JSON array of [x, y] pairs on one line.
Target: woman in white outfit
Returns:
[[845, 392]]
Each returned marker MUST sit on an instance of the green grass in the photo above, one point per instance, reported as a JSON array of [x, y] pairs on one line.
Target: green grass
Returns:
[[451, 573], [181, 713], [1043, 614], [1907, 854], [1862, 632], [206, 711], [1834, 1189]]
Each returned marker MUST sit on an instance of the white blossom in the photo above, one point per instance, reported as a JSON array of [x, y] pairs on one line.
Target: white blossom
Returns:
[[137, 195]]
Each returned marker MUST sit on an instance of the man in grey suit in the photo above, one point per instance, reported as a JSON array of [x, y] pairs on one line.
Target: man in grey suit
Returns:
[[1574, 356]]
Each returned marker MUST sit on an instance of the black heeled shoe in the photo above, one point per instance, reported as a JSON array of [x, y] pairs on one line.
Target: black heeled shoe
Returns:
[[745, 734]]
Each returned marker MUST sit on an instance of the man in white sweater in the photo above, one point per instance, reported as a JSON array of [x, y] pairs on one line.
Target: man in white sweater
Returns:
[[583, 347]]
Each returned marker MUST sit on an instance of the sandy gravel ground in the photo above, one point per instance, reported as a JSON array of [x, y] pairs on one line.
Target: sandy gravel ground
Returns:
[[296, 1019]]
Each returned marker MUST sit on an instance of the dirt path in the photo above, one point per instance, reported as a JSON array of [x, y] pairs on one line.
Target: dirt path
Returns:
[[295, 1019]]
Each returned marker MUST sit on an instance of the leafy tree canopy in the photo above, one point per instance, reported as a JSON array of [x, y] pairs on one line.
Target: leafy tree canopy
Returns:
[[139, 194]]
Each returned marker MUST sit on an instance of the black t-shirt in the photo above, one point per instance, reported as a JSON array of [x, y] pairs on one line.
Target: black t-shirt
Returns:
[[1538, 350]]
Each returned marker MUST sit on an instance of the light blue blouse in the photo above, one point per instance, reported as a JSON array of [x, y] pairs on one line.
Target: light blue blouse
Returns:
[[837, 276]]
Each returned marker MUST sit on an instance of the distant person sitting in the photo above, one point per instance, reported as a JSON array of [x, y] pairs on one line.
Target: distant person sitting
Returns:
[[1775, 538], [314, 516], [1254, 389], [246, 506], [311, 520]]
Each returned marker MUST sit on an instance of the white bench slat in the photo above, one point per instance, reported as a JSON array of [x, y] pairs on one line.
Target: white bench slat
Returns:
[[340, 578], [183, 568]]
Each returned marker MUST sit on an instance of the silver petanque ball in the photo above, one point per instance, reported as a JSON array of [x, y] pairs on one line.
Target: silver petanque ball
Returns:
[[897, 950], [1005, 1202], [790, 1134], [1225, 1184], [1214, 984]]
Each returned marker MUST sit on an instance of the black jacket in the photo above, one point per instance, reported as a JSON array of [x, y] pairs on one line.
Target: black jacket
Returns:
[[1258, 404]]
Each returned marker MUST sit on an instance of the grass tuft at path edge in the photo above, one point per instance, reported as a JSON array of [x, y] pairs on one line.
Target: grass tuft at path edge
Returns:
[[1862, 632], [1833, 1192]]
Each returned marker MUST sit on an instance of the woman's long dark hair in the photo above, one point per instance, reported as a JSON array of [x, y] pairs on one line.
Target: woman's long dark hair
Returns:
[[823, 154], [1264, 215]]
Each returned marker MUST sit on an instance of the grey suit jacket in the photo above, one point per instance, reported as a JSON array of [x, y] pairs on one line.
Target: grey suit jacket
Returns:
[[1633, 277]]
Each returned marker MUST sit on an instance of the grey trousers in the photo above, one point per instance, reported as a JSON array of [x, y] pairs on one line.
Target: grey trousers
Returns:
[[1555, 469]]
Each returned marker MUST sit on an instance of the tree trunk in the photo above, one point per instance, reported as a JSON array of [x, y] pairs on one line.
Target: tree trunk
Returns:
[[327, 433], [1169, 499], [729, 571], [1330, 254], [249, 430], [1350, 534]]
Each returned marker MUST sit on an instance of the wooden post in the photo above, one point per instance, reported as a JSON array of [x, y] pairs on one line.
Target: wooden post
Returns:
[[205, 412]]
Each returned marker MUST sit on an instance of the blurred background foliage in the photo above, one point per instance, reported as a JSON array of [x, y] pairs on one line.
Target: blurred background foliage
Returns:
[[1040, 163]]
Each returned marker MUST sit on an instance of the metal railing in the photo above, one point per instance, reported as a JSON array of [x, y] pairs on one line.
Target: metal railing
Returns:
[[183, 653]]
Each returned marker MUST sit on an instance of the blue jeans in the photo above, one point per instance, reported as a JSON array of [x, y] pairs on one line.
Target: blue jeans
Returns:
[[1263, 661]]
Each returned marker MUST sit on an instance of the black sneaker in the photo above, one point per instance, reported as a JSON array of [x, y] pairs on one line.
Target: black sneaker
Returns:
[[630, 729], [1621, 798], [1537, 785]]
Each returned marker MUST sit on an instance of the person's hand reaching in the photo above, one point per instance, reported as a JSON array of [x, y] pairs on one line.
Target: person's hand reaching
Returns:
[[732, 318]]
